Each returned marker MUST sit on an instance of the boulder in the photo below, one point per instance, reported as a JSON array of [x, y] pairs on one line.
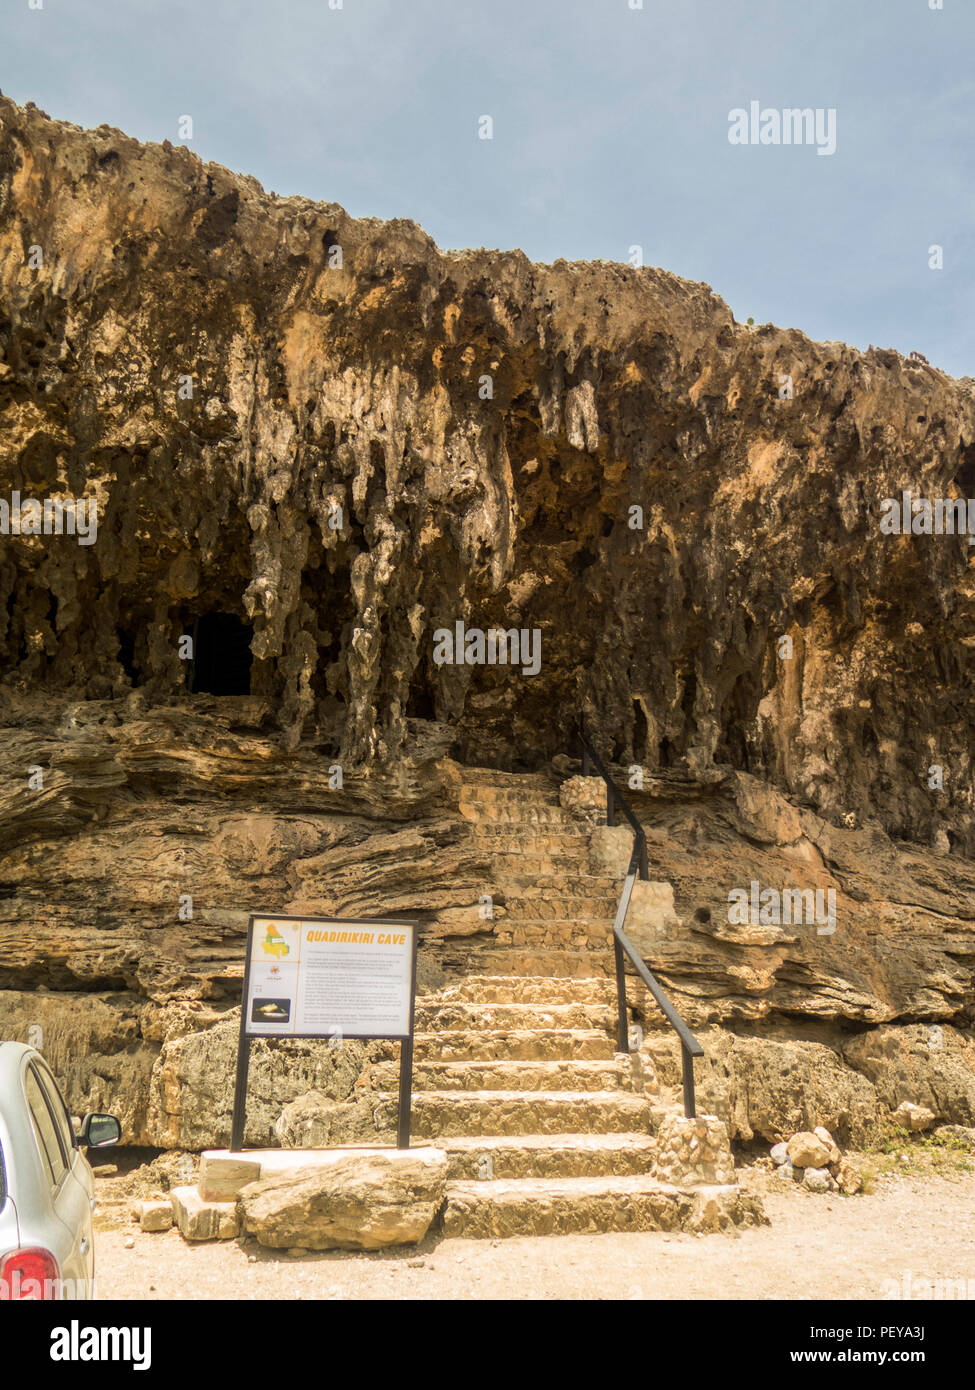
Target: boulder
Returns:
[[807, 1150], [363, 1201], [849, 1178], [817, 1180], [780, 1154], [916, 1118], [824, 1136], [963, 1134]]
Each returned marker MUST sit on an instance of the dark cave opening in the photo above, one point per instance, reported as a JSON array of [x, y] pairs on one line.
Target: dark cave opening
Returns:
[[965, 476], [641, 731], [420, 704], [738, 714], [222, 656], [126, 655]]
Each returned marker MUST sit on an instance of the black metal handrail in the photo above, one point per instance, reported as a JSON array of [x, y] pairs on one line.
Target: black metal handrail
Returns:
[[623, 946]]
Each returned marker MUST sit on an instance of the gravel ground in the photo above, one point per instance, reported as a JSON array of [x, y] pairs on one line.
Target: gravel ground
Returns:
[[817, 1247]]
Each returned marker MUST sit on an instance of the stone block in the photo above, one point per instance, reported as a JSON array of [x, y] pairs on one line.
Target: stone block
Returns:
[[694, 1153], [610, 849], [651, 918], [584, 798], [223, 1174], [156, 1214], [198, 1219]]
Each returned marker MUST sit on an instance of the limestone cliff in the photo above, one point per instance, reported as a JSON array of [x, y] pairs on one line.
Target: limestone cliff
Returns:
[[319, 386], [326, 439]]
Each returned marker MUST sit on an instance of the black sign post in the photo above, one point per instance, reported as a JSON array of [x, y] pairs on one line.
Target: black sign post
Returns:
[[271, 1018]]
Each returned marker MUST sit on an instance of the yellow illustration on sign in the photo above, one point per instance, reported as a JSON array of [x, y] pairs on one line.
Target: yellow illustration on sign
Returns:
[[274, 944]]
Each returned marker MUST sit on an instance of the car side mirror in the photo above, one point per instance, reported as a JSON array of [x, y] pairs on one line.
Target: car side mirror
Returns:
[[99, 1131]]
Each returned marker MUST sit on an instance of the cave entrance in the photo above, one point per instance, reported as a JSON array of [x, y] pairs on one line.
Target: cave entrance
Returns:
[[126, 656], [222, 655]]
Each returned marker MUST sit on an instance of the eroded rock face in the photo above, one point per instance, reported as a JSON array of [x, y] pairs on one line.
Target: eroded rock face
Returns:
[[383, 443], [929, 1070], [95, 1045], [342, 480], [313, 1121], [771, 1089], [191, 1095]]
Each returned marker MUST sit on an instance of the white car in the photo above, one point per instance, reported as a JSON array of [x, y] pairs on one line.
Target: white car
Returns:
[[47, 1192]]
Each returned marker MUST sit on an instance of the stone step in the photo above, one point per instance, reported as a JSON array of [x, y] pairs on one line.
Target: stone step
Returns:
[[496, 777], [546, 905], [486, 1157], [501, 837], [526, 989], [556, 933], [584, 921], [523, 868], [442, 1114], [561, 1206], [493, 794], [517, 1075], [474, 1018], [580, 885], [529, 1044], [514, 813], [514, 961]]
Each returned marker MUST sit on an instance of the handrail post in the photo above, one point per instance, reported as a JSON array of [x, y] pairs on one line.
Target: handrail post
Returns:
[[690, 1110], [610, 805], [622, 1022], [644, 867]]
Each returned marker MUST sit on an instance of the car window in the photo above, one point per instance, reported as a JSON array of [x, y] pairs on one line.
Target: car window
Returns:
[[44, 1130], [56, 1105]]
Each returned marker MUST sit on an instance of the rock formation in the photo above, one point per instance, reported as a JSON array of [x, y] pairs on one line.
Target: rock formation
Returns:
[[316, 441]]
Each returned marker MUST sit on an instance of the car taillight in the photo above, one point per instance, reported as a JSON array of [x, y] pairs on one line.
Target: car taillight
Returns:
[[29, 1274]]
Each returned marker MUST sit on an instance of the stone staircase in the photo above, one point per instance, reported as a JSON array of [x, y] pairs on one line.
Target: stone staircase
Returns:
[[548, 1129]]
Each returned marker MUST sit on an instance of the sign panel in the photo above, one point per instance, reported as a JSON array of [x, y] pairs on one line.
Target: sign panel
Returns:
[[329, 977]]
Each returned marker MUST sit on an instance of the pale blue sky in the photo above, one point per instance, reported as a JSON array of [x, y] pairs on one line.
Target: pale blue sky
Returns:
[[610, 128]]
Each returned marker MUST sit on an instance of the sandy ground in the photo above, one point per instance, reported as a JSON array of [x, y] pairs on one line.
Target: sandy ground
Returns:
[[817, 1247]]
